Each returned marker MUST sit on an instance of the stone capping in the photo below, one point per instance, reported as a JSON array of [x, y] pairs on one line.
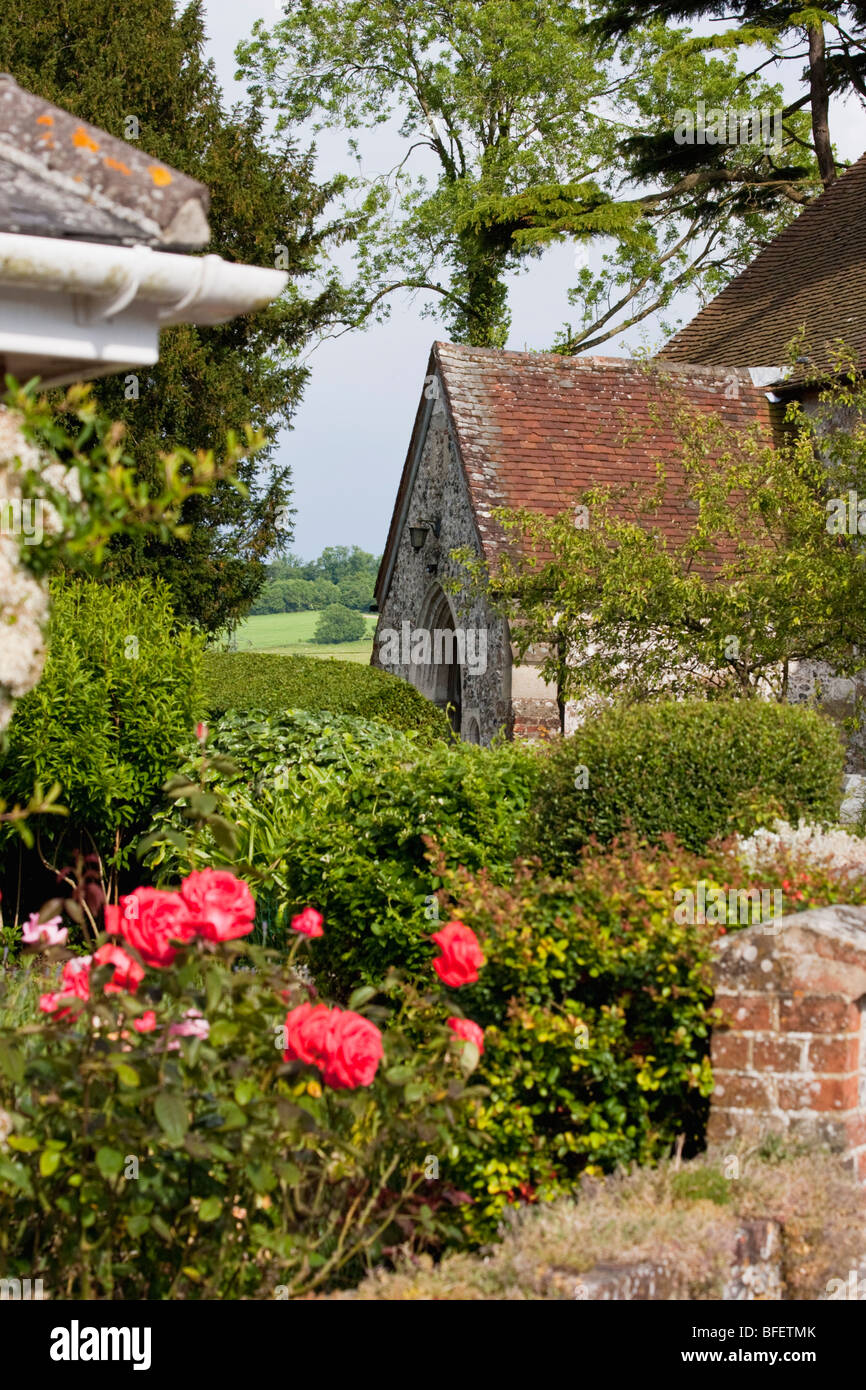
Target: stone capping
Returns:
[[789, 1057]]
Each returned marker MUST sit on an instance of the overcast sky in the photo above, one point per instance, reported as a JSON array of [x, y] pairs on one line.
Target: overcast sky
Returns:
[[352, 429]]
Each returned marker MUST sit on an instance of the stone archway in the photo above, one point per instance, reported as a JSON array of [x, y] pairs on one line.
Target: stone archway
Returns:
[[439, 677]]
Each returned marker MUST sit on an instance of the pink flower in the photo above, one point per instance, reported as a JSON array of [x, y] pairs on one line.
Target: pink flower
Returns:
[[461, 955], [146, 1023], [128, 974], [468, 1031], [201, 732], [50, 932], [309, 922], [193, 1025], [222, 904], [74, 984]]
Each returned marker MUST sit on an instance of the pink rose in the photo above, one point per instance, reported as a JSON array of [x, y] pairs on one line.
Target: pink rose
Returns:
[[309, 922], [461, 955], [49, 933], [146, 1023], [223, 905], [150, 920], [192, 1025], [468, 1031]]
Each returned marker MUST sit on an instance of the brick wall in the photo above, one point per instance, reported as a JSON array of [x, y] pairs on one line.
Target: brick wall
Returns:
[[790, 1057]]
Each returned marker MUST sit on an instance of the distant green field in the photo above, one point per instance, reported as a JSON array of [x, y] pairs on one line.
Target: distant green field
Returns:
[[292, 632]]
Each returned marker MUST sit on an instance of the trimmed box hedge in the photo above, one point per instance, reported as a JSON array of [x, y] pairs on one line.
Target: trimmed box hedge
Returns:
[[273, 683], [696, 769]]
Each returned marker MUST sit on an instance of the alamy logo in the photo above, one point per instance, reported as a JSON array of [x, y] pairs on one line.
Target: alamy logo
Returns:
[[728, 906], [22, 518], [75, 1343], [441, 647], [727, 126], [16, 1289]]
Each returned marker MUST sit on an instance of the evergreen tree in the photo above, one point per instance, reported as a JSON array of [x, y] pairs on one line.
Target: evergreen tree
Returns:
[[107, 60]]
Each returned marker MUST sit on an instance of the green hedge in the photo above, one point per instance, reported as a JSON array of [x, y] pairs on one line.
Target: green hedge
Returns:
[[696, 769], [273, 683]]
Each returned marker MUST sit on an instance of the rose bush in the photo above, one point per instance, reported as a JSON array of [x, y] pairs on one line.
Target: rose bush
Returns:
[[186, 1119]]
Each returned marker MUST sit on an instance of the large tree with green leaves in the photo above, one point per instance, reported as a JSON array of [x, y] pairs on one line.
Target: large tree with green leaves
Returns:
[[770, 573], [106, 60], [826, 42], [515, 119]]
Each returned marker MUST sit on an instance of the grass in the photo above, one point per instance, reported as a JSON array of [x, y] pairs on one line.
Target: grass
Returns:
[[293, 632]]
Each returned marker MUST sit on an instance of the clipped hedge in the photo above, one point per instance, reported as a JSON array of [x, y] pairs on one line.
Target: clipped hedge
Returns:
[[270, 682], [695, 769]]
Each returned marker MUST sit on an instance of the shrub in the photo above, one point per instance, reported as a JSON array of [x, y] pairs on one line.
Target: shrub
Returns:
[[337, 623], [118, 697], [698, 769], [166, 1141], [596, 1000], [354, 843], [273, 683]]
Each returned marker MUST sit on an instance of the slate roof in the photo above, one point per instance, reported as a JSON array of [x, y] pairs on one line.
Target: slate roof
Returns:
[[535, 430], [60, 177], [812, 275]]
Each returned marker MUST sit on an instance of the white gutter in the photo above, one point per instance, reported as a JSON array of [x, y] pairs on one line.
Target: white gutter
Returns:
[[181, 289], [73, 310]]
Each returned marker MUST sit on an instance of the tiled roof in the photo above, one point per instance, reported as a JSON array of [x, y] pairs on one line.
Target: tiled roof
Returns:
[[60, 177], [812, 276], [536, 430]]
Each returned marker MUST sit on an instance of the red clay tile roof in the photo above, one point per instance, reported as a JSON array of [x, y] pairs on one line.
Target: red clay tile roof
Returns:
[[535, 430], [812, 276]]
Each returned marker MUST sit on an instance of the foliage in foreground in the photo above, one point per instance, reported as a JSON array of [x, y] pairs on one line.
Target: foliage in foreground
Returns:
[[165, 1134], [272, 683], [119, 693], [354, 842]]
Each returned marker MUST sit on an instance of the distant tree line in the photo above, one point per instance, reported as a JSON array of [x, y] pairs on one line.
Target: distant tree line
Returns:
[[342, 574]]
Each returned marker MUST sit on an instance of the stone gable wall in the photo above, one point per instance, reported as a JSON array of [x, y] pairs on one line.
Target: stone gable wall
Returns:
[[440, 491]]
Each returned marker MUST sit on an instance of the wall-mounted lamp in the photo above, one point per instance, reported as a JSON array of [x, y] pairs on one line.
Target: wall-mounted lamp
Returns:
[[418, 533]]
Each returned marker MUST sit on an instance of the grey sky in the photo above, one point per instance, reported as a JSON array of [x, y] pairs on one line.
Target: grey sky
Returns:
[[352, 429]]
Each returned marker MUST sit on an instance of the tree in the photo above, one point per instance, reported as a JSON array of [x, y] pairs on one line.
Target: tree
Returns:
[[337, 623], [514, 116], [106, 61], [768, 575], [791, 32], [356, 591]]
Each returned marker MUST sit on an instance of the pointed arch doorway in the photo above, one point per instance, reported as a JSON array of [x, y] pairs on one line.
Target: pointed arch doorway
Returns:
[[440, 678]]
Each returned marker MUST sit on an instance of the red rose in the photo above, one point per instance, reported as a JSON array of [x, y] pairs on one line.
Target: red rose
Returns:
[[150, 920], [309, 922], [468, 1031], [128, 974], [356, 1051], [146, 1023], [461, 955], [223, 904], [307, 1029], [74, 984], [346, 1048]]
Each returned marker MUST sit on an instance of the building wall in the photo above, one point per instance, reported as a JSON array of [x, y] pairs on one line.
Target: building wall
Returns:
[[415, 600]]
